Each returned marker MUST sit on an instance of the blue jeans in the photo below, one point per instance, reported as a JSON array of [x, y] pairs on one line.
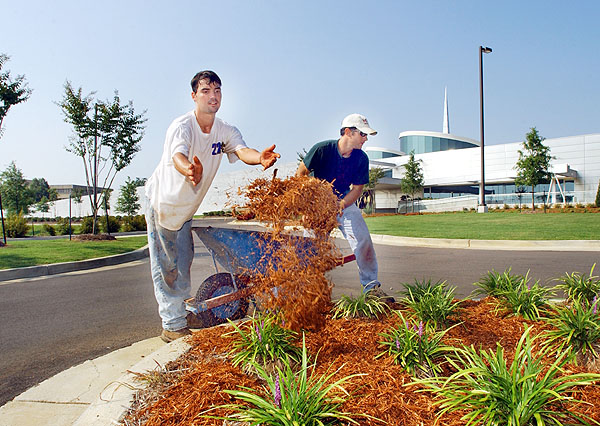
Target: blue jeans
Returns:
[[355, 230], [171, 255]]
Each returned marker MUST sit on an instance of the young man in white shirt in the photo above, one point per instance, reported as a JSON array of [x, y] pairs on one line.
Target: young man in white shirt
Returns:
[[194, 146]]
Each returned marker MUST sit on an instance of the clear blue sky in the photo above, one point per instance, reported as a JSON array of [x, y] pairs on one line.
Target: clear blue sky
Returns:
[[292, 70]]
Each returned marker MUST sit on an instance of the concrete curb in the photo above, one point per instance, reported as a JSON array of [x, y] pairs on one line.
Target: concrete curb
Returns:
[[59, 268], [519, 245], [117, 397]]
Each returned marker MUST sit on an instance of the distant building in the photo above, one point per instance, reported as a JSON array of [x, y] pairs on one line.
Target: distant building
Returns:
[[64, 191], [451, 168]]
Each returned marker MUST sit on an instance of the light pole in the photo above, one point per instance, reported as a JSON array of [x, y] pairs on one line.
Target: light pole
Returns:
[[482, 208]]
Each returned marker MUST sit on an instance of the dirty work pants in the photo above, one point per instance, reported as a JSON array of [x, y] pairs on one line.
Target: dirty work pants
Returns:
[[355, 230], [171, 255]]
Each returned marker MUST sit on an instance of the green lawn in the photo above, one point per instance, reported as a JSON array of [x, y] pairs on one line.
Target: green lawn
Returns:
[[491, 226], [22, 253]]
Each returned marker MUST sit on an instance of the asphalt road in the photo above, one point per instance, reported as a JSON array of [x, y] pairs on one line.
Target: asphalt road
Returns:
[[49, 324]]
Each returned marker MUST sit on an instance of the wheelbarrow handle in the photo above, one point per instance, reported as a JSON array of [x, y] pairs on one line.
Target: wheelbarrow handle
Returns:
[[346, 259]]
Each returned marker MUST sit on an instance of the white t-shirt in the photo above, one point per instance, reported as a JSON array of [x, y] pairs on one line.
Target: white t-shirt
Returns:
[[174, 198]]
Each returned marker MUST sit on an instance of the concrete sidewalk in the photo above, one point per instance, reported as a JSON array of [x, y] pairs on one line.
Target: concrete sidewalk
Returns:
[[95, 393]]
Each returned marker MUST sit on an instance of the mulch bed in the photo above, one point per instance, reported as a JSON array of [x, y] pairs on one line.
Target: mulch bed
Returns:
[[94, 237], [195, 382]]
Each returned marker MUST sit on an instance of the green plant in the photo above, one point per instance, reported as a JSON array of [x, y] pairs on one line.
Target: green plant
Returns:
[[524, 392], [87, 225], [576, 329], [580, 286], [113, 224], [292, 399], [494, 283], [49, 229], [417, 348], [526, 300], [362, 306], [263, 340], [16, 225], [62, 226], [431, 302]]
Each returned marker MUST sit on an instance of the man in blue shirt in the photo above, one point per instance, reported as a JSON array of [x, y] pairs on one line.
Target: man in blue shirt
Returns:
[[343, 163]]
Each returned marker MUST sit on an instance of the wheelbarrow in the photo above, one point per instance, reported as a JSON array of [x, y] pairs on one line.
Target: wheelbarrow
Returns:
[[243, 254]]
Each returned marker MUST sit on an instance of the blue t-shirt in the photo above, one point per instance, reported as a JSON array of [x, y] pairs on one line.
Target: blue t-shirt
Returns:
[[325, 162]]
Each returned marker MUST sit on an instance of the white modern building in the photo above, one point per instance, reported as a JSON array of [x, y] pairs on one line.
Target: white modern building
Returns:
[[451, 167]]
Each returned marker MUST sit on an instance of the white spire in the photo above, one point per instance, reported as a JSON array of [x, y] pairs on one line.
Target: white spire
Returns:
[[446, 118]]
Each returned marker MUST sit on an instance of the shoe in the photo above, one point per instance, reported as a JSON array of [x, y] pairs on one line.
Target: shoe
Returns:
[[384, 297], [168, 336]]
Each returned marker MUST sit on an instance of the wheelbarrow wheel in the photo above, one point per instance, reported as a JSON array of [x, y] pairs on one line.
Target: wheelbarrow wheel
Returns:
[[217, 285]]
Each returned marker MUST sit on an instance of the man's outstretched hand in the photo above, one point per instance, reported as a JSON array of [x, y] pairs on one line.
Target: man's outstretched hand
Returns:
[[194, 171], [268, 157]]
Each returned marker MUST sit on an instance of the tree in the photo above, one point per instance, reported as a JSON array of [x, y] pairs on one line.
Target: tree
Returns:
[[128, 200], [533, 163], [12, 92], [106, 136], [42, 205], [412, 181], [598, 195], [367, 198], [39, 188], [16, 196], [139, 181]]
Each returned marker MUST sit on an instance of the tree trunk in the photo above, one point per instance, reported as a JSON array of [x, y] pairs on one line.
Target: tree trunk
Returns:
[[532, 198]]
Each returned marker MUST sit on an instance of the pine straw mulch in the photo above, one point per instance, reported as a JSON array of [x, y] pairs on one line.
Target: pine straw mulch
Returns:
[[194, 383], [94, 237]]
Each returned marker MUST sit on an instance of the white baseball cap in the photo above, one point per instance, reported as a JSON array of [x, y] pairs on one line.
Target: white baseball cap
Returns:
[[358, 121]]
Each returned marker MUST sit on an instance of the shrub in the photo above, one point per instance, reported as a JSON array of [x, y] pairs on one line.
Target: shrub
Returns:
[[431, 302], [292, 398], [524, 392], [262, 340], [580, 286], [62, 226], [16, 225], [363, 306], [87, 225], [139, 222], [598, 195], [417, 348], [49, 229], [494, 283], [576, 329], [113, 224]]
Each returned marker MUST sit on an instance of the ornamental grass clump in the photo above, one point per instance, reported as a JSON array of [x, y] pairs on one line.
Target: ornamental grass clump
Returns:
[[580, 286], [495, 283], [292, 398], [416, 347], [576, 331], [363, 306], [525, 392], [263, 340], [432, 303], [529, 301]]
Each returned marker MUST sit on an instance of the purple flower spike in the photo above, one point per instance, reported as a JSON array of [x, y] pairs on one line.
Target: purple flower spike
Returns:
[[595, 304], [397, 344], [277, 398], [258, 333], [420, 329]]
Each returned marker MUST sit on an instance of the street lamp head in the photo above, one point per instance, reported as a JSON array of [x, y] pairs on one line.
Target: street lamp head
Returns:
[[486, 49]]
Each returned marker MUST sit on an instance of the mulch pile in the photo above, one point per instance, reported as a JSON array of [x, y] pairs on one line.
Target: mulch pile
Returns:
[[94, 237], [350, 345]]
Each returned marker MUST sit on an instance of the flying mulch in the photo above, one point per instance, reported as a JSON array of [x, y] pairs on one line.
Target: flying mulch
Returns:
[[296, 264]]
